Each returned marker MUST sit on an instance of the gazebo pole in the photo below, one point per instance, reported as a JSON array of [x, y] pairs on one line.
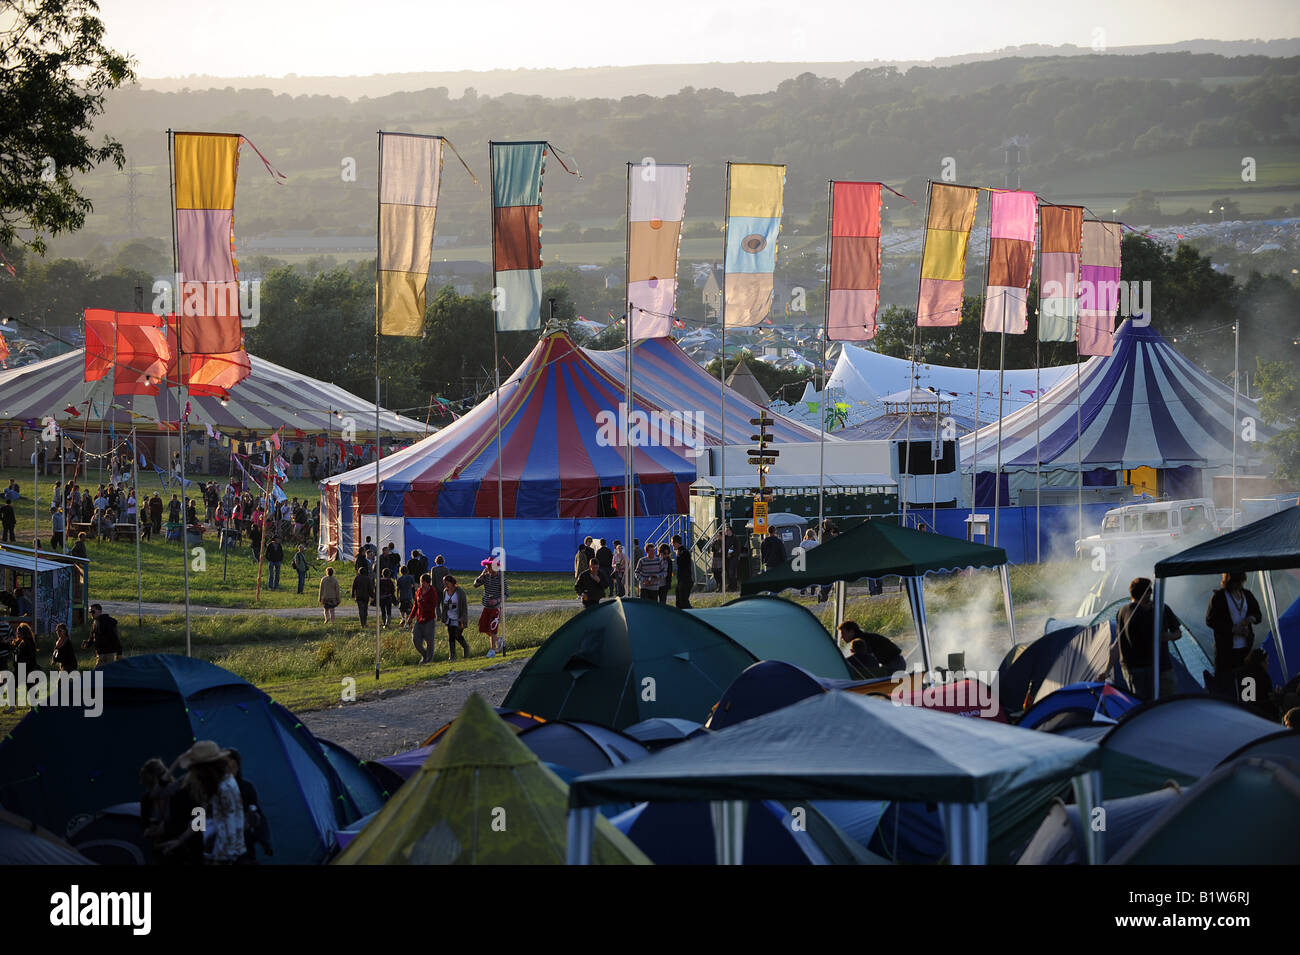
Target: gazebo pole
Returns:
[[966, 832], [1157, 627], [1004, 571], [581, 835], [728, 831], [1087, 796], [1270, 608], [916, 599]]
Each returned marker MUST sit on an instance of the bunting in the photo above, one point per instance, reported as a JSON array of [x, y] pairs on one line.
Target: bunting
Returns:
[[517, 170], [754, 196], [1013, 223], [1099, 286], [943, 260], [853, 281], [410, 175], [656, 205], [1058, 280]]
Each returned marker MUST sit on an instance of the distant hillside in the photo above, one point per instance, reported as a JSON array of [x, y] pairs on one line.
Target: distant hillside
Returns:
[[658, 79]]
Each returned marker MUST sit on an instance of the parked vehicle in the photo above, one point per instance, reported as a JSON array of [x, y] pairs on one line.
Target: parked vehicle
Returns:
[[1134, 528]]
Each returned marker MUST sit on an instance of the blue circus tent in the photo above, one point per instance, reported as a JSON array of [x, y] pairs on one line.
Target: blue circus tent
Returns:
[[1144, 405]]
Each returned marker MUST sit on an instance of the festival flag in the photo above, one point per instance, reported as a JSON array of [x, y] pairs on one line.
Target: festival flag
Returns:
[[754, 196], [1013, 222], [205, 171], [853, 281], [943, 260], [141, 353], [216, 374], [517, 170], [207, 290], [100, 339], [1099, 286], [1058, 279], [410, 174], [656, 205]]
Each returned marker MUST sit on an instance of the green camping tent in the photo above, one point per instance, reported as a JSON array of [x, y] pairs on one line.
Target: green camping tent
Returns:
[[876, 549], [772, 628], [628, 660], [1246, 812], [481, 798]]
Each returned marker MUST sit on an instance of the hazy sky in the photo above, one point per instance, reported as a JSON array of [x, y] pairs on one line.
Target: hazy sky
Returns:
[[349, 37]]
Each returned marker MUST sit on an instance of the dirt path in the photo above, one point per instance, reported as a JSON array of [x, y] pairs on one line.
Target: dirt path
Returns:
[[397, 720], [124, 609]]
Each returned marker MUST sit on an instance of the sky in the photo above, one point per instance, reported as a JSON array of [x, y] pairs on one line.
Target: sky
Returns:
[[348, 37]]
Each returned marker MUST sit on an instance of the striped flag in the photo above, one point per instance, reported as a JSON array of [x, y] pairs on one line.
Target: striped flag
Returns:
[[517, 170], [656, 205], [853, 279], [410, 174], [754, 198], [1013, 223], [1099, 287], [1058, 281], [943, 259]]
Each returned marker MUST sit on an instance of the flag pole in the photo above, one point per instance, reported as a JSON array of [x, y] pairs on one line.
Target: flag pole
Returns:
[[180, 393], [135, 481], [379, 176], [979, 360], [925, 221], [821, 406], [722, 382], [37, 434], [1038, 402], [496, 368], [1002, 362], [629, 499]]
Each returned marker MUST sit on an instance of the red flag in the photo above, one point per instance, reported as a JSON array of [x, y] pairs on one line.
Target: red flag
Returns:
[[100, 325], [141, 354], [70, 409]]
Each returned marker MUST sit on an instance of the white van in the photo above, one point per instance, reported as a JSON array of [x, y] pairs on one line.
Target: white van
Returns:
[[1131, 529]]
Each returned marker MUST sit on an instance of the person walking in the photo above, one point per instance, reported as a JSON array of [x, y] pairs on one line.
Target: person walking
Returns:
[[605, 557], [56, 528], [155, 512], [424, 619], [685, 574], [406, 587], [328, 594], [590, 585], [387, 596], [583, 557], [772, 551], [666, 555], [104, 637], [296, 461], [8, 521], [274, 558], [65, 654], [301, 564], [716, 561], [438, 572], [454, 611], [1231, 614], [619, 570], [650, 573], [363, 592], [495, 592]]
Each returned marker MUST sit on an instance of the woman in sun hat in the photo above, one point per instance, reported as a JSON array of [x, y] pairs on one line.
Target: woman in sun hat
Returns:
[[212, 784]]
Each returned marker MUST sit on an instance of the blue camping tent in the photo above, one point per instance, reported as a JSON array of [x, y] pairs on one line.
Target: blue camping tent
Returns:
[[58, 767]]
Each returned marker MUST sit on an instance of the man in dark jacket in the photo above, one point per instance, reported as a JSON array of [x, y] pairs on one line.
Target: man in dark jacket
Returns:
[[8, 519], [605, 557], [685, 574], [274, 558], [1134, 624], [771, 550], [103, 637], [591, 583]]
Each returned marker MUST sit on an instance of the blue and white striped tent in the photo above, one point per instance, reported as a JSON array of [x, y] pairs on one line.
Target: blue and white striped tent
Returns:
[[1143, 406]]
